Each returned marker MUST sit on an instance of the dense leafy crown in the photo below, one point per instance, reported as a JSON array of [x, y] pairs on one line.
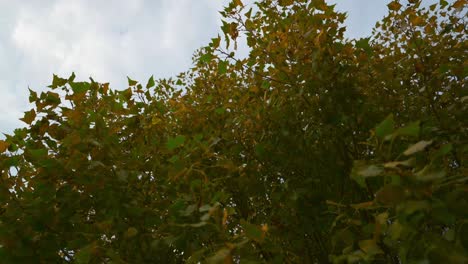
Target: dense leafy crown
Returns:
[[279, 157]]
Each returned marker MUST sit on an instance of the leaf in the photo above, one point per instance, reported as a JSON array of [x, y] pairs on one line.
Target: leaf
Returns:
[[131, 232], [410, 130], [175, 142], [421, 145], [443, 3], [57, 82], [38, 153], [205, 208], [285, 2], [72, 77], [206, 57], [395, 6], [32, 95], [80, 87], [370, 247], [29, 116], [444, 150], [151, 82], [131, 82], [430, 172], [459, 4], [219, 257], [396, 164], [220, 110], [385, 128], [252, 231], [222, 67], [395, 230], [215, 42], [52, 98], [371, 171], [196, 256], [3, 146], [390, 195], [363, 43], [238, 3]]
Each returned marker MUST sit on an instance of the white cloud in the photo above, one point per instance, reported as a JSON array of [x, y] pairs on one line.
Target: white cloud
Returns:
[[106, 40]]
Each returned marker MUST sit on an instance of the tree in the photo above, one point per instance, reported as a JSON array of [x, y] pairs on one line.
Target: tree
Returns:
[[312, 149]]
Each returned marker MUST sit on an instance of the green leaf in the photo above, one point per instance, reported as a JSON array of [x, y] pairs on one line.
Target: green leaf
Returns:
[[220, 110], [444, 150], [206, 57], [370, 247], [131, 82], [385, 128], [222, 67], [421, 145], [32, 95], [175, 142], [38, 153], [71, 78], [443, 3], [215, 42], [363, 43], [151, 82], [57, 82], [80, 87], [52, 98], [252, 231], [410, 130]]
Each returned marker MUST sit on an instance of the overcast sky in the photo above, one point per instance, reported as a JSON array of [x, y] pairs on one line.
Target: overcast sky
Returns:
[[110, 40]]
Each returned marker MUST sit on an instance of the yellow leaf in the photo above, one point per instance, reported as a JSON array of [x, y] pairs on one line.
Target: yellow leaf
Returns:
[[417, 21], [3, 146], [285, 2], [29, 116], [238, 3], [395, 6]]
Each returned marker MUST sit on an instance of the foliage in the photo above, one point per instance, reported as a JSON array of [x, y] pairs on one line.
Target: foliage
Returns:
[[263, 159]]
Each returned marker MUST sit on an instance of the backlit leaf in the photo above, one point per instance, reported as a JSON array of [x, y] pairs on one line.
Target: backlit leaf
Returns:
[[151, 82], [421, 145], [131, 82]]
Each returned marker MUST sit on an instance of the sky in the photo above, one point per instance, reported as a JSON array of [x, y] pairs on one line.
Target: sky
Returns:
[[110, 40]]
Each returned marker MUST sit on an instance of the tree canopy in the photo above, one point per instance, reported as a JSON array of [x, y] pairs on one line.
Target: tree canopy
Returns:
[[314, 148]]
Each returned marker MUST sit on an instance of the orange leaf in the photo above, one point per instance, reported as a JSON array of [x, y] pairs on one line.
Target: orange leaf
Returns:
[[460, 4]]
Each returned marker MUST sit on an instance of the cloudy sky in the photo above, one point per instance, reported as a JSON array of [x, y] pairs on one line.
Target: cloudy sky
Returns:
[[110, 40]]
